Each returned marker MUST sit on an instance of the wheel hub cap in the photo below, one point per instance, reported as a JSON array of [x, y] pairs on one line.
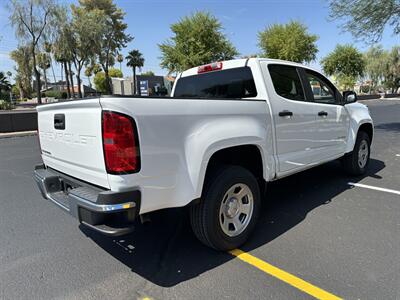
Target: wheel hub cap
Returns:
[[236, 209], [232, 207]]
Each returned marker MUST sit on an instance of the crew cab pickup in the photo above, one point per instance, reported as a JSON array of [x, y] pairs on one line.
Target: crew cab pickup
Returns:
[[228, 129]]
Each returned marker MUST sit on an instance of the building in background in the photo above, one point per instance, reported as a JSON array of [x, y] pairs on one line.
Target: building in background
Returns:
[[61, 88], [145, 85]]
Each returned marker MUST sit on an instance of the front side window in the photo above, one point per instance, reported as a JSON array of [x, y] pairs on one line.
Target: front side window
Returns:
[[233, 83], [286, 82], [321, 89]]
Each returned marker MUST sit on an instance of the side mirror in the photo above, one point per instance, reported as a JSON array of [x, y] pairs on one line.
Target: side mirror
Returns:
[[349, 97]]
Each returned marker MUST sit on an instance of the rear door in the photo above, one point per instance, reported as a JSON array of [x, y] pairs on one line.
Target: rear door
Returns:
[[71, 139], [331, 118], [293, 114]]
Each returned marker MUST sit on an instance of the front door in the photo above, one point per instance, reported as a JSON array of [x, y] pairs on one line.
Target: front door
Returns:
[[332, 120]]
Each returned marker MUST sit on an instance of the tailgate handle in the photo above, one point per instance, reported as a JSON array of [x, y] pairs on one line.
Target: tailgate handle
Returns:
[[59, 121]]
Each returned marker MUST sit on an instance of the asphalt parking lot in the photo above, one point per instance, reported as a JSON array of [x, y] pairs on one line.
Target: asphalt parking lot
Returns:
[[331, 236]]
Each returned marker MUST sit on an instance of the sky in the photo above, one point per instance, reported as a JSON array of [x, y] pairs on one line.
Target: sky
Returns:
[[149, 23]]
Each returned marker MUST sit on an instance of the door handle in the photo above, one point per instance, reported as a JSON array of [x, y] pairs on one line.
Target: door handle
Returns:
[[285, 113], [322, 114]]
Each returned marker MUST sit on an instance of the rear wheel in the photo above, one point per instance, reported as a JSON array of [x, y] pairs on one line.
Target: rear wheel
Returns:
[[356, 162], [228, 210]]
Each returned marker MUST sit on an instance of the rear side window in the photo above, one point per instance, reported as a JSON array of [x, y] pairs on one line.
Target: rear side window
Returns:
[[231, 83], [286, 82]]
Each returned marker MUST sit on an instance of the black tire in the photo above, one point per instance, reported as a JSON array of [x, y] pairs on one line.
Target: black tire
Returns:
[[205, 216], [351, 160]]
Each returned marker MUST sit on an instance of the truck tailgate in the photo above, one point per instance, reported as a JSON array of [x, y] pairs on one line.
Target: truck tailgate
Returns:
[[70, 136]]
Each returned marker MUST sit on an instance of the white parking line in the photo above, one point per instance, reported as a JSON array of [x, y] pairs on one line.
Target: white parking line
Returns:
[[374, 188]]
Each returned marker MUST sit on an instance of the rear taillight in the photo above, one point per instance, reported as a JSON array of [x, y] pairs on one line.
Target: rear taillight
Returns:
[[210, 67], [120, 143]]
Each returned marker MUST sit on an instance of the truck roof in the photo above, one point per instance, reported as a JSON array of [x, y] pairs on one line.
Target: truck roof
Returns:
[[242, 62]]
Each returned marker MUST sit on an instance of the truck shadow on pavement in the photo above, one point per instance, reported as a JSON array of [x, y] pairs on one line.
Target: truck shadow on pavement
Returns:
[[166, 252], [393, 127]]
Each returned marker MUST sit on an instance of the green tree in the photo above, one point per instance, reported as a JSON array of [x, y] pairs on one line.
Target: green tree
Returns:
[[24, 66], [92, 69], [367, 19], [100, 80], [375, 65], [288, 42], [115, 73], [33, 20], [114, 37], [44, 62], [392, 73], [197, 39], [89, 73], [48, 48], [86, 29], [346, 64], [134, 60], [61, 47], [148, 73], [120, 59], [4, 83]]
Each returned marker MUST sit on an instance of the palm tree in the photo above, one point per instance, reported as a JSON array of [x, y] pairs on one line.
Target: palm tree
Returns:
[[135, 60], [120, 59]]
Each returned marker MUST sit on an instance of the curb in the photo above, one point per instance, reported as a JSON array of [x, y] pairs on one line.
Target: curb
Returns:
[[17, 134]]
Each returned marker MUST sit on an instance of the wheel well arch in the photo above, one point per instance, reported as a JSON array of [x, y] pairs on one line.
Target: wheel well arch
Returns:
[[247, 156], [368, 129]]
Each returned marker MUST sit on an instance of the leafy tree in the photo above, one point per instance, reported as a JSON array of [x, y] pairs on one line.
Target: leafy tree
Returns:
[[44, 61], [366, 19], [288, 42], [92, 69], [33, 20], [48, 47], [4, 83], [114, 37], [100, 80], [346, 63], [148, 73], [89, 73], [96, 68], [115, 73], [5, 87], [197, 39], [392, 73], [15, 90], [86, 34], [24, 66], [134, 60], [120, 59], [375, 65], [61, 48]]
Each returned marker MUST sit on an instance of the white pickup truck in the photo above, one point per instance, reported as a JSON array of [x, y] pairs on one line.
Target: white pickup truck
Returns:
[[228, 129]]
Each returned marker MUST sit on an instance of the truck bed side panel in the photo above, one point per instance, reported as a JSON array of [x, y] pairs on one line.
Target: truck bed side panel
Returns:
[[177, 138]]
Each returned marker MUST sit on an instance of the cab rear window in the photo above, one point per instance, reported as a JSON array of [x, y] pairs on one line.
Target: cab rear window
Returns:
[[231, 83]]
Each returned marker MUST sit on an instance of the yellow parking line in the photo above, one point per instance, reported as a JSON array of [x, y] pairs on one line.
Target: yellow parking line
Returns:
[[284, 276]]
